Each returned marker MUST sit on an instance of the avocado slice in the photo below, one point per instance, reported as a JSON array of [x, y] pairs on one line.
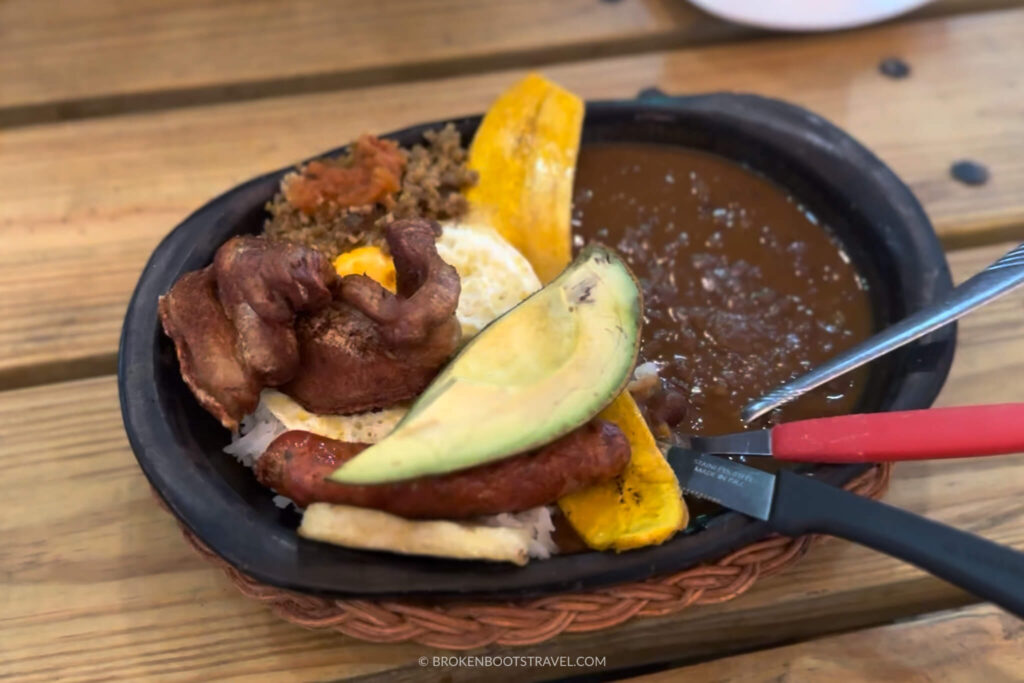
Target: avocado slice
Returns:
[[536, 373]]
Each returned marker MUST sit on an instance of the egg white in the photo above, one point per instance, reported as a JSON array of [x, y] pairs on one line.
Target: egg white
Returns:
[[495, 276]]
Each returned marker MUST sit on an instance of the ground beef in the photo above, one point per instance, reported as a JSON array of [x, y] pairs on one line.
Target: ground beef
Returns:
[[432, 186], [435, 177], [331, 234]]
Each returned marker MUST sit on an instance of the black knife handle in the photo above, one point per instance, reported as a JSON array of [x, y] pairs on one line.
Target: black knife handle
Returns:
[[988, 570]]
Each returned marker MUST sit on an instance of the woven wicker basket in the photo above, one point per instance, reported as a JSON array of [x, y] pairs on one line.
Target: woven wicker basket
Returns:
[[471, 624]]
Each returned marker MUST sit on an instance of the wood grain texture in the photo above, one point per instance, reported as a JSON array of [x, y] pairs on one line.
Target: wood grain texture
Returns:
[[62, 58], [95, 581], [80, 53], [979, 643], [83, 203]]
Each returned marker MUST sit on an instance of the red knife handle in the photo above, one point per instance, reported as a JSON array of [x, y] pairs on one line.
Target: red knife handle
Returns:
[[903, 435]]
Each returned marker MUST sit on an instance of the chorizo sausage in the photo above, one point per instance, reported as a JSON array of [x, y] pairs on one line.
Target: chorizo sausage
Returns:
[[296, 465]]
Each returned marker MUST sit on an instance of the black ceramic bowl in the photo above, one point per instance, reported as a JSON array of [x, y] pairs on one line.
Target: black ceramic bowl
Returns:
[[179, 445]]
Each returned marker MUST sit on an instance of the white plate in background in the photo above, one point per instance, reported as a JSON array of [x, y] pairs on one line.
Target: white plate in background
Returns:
[[807, 15]]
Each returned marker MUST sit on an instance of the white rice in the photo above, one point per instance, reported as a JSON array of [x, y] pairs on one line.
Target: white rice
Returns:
[[537, 520], [261, 427], [256, 432]]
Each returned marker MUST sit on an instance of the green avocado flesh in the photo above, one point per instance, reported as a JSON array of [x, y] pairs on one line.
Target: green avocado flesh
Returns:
[[534, 374]]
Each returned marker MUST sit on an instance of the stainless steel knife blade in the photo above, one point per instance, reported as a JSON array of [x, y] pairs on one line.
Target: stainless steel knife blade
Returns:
[[722, 481], [754, 442]]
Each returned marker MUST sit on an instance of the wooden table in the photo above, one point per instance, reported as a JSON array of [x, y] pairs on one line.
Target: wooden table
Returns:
[[117, 120]]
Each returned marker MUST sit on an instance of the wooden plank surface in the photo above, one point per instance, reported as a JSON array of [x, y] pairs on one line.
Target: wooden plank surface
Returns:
[[83, 203], [979, 643], [62, 58], [95, 581]]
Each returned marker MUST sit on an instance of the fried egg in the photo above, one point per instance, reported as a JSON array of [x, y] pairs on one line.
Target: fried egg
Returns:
[[495, 276], [368, 427]]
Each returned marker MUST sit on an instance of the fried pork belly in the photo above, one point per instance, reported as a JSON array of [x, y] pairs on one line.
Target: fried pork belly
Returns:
[[269, 313], [207, 348], [370, 348], [233, 323]]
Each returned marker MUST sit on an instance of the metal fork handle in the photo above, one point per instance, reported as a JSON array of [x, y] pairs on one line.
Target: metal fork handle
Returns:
[[999, 278]]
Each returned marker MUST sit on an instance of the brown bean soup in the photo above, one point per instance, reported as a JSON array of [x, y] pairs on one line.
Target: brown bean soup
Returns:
[[743, 286]]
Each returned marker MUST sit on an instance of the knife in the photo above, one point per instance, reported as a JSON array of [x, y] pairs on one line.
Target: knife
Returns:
[[794, 504], [960, 432]]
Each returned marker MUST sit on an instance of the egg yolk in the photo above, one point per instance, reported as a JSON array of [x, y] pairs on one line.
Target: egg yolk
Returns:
[[369, 261]]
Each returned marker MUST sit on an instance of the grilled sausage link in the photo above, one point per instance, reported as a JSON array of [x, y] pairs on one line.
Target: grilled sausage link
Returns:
[[297, 463]]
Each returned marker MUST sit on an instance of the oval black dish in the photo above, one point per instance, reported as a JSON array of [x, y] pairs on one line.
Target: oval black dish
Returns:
[[178, 444]]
